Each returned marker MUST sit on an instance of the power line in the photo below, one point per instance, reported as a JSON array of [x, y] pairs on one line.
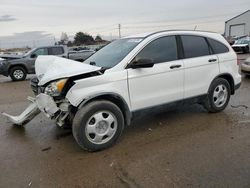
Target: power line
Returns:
[[119, 30]]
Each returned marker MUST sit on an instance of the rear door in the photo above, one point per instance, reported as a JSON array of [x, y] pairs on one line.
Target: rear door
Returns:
[[57, 51], [161, 83], [201, 66]]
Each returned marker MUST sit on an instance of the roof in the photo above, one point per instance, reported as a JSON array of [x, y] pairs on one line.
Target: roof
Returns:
[[238, 15], [145, 35]]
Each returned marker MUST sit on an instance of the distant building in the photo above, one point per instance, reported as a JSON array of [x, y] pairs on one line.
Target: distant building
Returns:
[[238, 26]]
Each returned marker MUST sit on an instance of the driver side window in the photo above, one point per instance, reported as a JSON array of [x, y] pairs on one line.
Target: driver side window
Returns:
[[41, 51], [160, 50]]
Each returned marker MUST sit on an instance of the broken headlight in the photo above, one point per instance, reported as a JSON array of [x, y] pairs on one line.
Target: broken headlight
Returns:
[[54, 89]]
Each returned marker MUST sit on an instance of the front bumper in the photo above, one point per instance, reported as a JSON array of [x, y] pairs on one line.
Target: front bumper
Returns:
[[47, 105], [3, 71], [42, 103]]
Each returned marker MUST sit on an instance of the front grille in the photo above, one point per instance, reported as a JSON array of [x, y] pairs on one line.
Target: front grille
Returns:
[[34, 85]]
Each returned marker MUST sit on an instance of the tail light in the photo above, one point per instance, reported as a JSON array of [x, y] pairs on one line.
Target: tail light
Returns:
[[238, 61]]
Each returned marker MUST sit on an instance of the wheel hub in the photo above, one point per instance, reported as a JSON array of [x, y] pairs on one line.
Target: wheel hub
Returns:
[[101, 127], [18, 74], [220, 95]]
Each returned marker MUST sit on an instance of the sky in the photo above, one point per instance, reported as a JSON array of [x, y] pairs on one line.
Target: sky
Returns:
[[34, 22]]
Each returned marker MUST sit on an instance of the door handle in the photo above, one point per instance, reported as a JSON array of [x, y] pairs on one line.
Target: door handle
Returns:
[[175, 66], [212, 60]]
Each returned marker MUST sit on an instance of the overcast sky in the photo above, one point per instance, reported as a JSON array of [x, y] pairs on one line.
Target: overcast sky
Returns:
[[38, 21]]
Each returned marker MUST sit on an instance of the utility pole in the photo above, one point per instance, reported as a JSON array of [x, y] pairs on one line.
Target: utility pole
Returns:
[[119, 28]]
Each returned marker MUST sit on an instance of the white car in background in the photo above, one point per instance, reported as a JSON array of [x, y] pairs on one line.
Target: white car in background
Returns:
[[100, 96], [245, 67]]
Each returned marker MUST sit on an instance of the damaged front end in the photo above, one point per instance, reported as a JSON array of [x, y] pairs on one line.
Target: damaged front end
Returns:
[[55, 77], [53, 109]]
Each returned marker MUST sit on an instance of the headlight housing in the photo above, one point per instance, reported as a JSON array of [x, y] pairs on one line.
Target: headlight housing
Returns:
[[54, 89]]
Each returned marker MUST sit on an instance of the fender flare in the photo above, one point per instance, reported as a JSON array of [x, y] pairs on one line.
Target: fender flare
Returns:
[[112, 97], [227, 77]]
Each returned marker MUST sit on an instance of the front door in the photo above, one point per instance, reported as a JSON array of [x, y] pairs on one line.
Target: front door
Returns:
[[31, 60], [161, 83]]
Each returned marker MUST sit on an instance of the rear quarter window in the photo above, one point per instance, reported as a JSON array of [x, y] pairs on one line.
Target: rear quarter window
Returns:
[[217, 47]]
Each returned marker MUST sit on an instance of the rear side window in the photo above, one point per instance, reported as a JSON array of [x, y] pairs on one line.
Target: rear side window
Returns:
[[160, 50], [194, 46], [218, 47], [56, 51]]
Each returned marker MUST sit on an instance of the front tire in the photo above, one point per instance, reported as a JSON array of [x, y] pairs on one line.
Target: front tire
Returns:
[[18, 73], [218, 96], [98, 125]]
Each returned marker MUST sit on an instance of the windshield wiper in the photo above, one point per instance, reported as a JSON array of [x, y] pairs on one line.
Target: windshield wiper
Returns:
[[92, 63]]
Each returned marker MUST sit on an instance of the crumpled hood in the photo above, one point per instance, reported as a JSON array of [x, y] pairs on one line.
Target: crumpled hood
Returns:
[[239, 45], [50, 68]]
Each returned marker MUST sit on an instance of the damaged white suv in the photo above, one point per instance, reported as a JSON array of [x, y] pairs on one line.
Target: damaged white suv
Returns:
[[98, 97]]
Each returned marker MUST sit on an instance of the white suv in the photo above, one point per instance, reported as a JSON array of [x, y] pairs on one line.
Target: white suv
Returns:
[[98, 97]]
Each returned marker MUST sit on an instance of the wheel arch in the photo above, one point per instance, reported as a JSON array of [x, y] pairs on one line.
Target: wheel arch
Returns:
[[230, 80], [17, 65], [114, 98]]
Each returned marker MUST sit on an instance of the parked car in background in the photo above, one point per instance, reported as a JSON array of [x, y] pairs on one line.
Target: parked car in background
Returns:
[[18, 66], [99, 97], [81, 55], [245, 67], [242, 45]]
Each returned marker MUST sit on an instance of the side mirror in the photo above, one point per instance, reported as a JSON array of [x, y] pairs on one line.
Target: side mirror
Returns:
[[33, 56], [141, 63]]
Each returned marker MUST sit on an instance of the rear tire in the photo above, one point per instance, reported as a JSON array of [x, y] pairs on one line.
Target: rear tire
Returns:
[[218, 96], [18, 73], [98, 125]]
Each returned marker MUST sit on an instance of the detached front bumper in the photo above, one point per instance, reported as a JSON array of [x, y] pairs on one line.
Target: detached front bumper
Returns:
[[42, 103]]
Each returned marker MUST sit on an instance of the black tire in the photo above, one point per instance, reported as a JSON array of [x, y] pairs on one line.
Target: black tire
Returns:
[[82, 118], [209, 103], [18, 73]]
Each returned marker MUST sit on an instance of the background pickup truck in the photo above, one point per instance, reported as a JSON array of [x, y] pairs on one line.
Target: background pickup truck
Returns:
[[18, 66]]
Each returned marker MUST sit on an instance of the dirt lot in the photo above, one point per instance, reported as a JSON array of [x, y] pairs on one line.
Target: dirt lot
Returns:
[[181, 147]]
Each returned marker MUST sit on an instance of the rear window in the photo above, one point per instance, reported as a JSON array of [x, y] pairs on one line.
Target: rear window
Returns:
[[217, 47], [56, 51], [194, 46]]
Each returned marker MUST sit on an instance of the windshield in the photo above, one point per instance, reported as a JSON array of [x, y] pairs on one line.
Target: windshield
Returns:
[[28, 53], [112, 54], [242, 42]]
